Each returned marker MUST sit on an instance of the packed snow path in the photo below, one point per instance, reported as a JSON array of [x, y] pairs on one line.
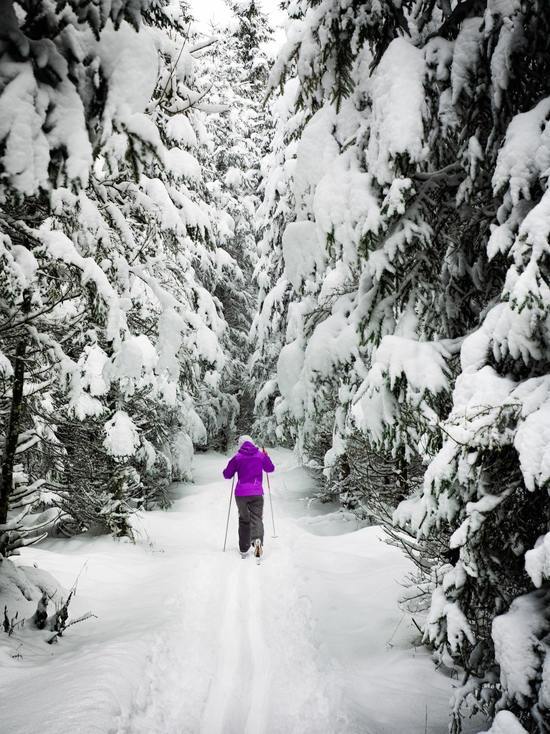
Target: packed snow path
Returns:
[[190, 640]]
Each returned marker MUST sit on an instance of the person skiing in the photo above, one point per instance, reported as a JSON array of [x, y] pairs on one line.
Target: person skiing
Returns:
[[248, 463]]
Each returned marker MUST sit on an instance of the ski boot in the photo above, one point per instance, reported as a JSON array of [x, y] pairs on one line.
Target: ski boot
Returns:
[[258, 550]]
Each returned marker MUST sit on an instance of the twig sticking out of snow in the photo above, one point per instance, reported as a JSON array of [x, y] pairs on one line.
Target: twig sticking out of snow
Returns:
[[83, 618]]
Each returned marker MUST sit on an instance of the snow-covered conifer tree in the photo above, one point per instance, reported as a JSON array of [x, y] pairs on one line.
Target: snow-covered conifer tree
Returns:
[[238, 66], [110, 327], [410, 293], [340, 213], [47, 79], [275, 211], [488, 485]]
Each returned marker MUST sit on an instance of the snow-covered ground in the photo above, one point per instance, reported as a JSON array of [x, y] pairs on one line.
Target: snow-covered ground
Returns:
[[191, 640]]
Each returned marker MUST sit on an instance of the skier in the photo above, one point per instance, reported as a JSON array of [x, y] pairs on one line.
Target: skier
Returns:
[[249, 462]]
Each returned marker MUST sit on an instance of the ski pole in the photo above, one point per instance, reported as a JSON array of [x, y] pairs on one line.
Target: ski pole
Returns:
[[228, 513], [271, 504]]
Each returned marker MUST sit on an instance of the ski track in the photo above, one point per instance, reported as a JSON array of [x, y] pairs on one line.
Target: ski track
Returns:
[[256, 722], [239, 692], [224, 689]]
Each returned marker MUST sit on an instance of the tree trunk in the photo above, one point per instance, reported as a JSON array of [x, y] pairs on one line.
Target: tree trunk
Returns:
[[8, 460]]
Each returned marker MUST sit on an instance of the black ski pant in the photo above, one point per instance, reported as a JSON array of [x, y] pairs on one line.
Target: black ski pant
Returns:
[[251, 526]]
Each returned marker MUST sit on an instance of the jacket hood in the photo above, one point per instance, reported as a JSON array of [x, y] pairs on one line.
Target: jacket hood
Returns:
[[248, 448]]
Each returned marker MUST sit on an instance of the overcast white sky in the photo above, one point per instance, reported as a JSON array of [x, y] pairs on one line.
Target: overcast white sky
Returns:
[[207, 10]]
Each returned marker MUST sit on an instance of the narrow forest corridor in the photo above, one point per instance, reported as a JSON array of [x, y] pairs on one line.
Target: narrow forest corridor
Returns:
[[316, 226]]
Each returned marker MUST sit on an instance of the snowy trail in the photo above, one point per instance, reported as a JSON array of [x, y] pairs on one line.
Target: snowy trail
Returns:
[[231, 612], [257, 715], [190, 640]]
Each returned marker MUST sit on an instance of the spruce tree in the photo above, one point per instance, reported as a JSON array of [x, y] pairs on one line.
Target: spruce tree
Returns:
[[487, 486], [237, 71]]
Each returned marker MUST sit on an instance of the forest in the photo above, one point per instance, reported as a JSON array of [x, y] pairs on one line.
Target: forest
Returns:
[[338, 244]]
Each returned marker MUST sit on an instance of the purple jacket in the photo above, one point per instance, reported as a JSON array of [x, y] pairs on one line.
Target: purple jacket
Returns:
[[249, 463]]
